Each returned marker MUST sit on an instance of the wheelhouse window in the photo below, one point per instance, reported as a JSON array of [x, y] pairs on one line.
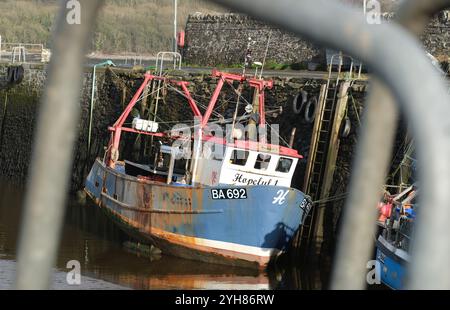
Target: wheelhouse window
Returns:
[[162, 161], [284, 165], [239, 157], [180, 166], [262, 161]]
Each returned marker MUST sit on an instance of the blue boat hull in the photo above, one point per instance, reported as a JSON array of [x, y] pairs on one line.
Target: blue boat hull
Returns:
[[393, 264], [247, 227]]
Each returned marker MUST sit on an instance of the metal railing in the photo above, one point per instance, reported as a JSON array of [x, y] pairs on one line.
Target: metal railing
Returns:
[[413, 15], [23, 52], [133, 60], [391, 52], [161, 56], [388, 49], [51, 161]]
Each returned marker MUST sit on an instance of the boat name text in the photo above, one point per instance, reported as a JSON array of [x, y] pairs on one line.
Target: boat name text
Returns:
[[240, 178]]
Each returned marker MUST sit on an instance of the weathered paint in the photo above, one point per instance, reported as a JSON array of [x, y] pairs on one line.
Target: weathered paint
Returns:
[[393, 264], [185, 221]]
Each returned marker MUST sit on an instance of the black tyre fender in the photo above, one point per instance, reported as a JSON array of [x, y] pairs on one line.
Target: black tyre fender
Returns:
[[311, 109], [346, 127], [18, 74], [299, 102], [10, 74]]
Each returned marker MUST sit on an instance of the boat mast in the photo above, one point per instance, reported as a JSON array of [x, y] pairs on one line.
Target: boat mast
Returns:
[[254, 118], [201, 121], [116, 130], [239, 93]]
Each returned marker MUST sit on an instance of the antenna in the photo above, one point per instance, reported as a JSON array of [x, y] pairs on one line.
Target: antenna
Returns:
[[265, 54], [248, 55], [257, 64]]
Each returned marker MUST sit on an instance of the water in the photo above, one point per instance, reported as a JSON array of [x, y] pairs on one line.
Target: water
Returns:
[[59, 280], [90, 238]]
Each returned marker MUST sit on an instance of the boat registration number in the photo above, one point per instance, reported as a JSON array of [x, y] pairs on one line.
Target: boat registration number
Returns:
[[306, 205], [229, 193]]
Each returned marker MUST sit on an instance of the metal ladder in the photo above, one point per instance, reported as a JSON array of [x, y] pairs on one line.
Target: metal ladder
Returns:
[[320, 145], [20, 53]]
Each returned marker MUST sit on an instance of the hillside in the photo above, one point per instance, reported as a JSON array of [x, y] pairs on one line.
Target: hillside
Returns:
[[134, 26], [124, 26]]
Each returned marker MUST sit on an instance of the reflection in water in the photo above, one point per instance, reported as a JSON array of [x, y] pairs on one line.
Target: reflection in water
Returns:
[[90, 238]]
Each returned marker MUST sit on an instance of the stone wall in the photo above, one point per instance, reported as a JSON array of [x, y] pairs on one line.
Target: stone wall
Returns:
[[19, 113], [222, 39], [19, 109], [17, 118], [437, 36], [114, 90]]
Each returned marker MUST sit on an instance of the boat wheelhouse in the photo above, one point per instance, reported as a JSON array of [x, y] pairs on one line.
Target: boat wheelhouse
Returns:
[[240, 165]]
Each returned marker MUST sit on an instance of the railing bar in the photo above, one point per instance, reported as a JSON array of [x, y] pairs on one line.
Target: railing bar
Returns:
[[391, 52]]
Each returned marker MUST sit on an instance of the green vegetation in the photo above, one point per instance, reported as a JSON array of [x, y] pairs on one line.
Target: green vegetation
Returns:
[[269, 65], [124, 26], [273, 65]]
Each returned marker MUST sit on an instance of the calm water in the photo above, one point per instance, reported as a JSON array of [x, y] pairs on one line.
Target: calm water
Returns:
[[97, 244]]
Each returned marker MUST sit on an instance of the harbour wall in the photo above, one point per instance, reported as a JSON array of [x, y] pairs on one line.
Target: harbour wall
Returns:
[[223, 39], [20, 103], [115, 87]]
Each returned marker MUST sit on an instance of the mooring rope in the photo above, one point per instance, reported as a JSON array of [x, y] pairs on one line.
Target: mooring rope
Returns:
[[197, 102], [330, 199]]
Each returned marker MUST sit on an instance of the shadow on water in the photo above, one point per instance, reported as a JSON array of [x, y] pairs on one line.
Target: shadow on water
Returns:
[[89, 237]]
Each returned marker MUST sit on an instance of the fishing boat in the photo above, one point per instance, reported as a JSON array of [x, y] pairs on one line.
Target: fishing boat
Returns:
[[397, 215], [224, 200]]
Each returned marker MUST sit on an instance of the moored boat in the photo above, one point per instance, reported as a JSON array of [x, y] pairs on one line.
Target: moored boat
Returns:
[[224, 200], [393, 243]]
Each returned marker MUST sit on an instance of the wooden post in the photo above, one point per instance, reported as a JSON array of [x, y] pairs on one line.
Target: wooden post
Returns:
[[171, 166], [291, 140], [252, 129], [144, 103], [333, 150]]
